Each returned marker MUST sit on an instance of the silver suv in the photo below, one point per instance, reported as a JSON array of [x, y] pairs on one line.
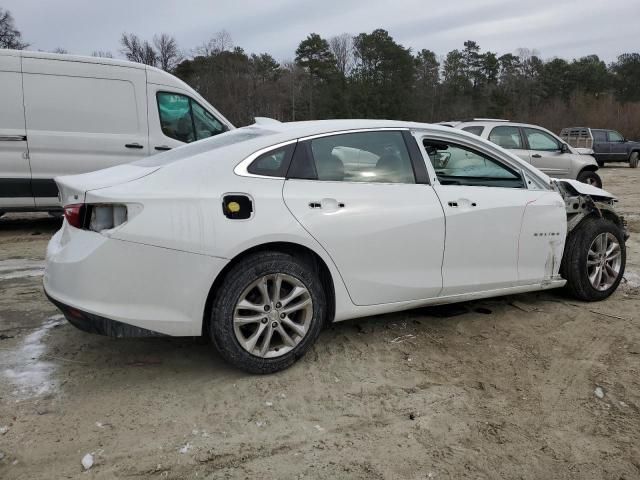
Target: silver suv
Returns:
[[538, 146]]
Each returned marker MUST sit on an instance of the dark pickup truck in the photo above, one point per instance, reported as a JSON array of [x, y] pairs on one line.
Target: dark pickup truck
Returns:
[[607, 145]]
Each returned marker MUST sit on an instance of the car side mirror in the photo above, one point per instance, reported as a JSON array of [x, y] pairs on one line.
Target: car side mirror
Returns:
[[564, 148]]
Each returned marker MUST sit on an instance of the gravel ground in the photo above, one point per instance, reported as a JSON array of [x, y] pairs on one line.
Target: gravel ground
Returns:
[[527, 386]]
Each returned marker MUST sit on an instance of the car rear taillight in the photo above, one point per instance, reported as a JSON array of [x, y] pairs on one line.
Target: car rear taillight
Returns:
[[75, 214], [96, 217], [106, 216]]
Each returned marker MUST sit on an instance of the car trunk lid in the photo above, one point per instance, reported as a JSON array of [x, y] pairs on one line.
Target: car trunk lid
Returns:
[[73, 188]]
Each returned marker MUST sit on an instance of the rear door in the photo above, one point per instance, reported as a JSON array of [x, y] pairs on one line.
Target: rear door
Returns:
[[15, 173], [618, 146], [81, 117], [175, 118], [546, 154], [510, 138], [601, 147], [357, 195]]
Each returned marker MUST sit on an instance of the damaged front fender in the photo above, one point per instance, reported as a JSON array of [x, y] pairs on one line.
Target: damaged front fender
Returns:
[[582, 200]]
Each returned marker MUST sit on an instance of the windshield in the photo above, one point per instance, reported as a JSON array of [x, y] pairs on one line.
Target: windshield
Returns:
[[223, 140]]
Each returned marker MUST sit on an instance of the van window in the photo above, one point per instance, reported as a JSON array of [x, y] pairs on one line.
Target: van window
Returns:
[[184, 119], [80, 104]]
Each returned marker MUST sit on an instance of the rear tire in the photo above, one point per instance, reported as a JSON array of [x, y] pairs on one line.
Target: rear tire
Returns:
[[591, 178], [583, 257], [634, 159], [259, 322]]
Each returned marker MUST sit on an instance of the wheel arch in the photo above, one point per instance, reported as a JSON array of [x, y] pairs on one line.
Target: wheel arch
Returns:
[[588, 168], [296, 249]]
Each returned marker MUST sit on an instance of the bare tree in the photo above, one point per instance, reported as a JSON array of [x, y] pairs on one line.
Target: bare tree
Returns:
[[342, 48], [167, 52], [138, 51], [10, 37], [102, 54], [220, 42], [60, 50]]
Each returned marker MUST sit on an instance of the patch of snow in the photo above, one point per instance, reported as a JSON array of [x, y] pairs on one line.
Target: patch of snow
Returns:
[[631, 279], [10, 269], [269, 404], [599, 392], [319, 428], [4, 430], [185, 448], [27, 370], [87, 461]]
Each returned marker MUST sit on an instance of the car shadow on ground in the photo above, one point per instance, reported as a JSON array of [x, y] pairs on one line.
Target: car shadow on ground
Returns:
[[35, 223]]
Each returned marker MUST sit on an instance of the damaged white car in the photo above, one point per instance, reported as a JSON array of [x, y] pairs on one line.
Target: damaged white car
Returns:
[[259, 236]]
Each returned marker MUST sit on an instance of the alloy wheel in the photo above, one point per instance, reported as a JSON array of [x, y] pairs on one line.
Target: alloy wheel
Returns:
[[604, 260], [273, 315]]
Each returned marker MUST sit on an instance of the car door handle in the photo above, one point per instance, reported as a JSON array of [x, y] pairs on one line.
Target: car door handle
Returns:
[[163, 147], [453, 204], [13, 138], [536, 155], [329, 202], [133, 145]]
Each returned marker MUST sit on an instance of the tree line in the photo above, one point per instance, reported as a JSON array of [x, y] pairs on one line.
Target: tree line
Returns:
[[370, 75]]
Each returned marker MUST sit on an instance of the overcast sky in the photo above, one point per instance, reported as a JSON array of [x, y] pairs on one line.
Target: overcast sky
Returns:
[[563, 28]]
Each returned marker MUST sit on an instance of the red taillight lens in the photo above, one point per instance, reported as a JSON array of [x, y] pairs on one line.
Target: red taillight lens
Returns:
[[74, 214]]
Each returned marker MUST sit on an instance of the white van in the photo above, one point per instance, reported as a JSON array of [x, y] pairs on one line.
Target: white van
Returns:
[[65, 114]]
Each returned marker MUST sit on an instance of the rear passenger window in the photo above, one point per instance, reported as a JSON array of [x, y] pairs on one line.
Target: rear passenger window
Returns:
[[599, 136], [476, 129], [372, 157], [506, 137], [184, 119]]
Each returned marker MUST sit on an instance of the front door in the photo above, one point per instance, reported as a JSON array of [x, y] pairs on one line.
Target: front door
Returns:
[[357, 195], [484, 201], [15, 173], [546, 153]]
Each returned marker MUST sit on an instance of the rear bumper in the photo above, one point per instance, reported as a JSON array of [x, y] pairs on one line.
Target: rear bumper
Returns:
[[121, 288], [91, 323]]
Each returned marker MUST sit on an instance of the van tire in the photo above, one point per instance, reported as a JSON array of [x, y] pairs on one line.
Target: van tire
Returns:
[[633, 159], [590, 177], [574, 268]]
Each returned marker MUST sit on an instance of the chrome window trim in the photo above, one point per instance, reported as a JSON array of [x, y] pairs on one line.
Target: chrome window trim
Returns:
[[242, 168]]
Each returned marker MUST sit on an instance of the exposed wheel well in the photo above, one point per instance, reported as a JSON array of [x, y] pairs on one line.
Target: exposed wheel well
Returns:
[[285, 247], [589, 168]]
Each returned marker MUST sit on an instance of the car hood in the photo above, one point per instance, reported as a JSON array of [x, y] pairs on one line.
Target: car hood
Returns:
[[585, 189], [73, 188]]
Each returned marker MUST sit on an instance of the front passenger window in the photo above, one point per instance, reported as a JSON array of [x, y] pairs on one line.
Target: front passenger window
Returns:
[[458, 165], [539, 140], [184, 119]]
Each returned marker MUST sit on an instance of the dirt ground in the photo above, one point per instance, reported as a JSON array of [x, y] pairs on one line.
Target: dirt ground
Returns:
[[527, 386]]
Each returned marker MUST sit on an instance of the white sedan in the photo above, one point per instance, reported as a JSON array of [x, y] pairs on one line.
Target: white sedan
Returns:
[[259, 236]]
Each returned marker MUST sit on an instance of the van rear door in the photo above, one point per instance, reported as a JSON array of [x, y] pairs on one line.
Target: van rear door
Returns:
[[15, 174], [81, 117]]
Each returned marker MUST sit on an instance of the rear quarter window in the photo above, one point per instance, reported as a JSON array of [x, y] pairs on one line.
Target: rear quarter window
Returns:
[[475, 129]]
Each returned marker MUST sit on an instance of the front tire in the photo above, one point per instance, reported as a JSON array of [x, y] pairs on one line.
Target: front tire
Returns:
[[594, 259], [634, 159], [591, 178], [268, 311]]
